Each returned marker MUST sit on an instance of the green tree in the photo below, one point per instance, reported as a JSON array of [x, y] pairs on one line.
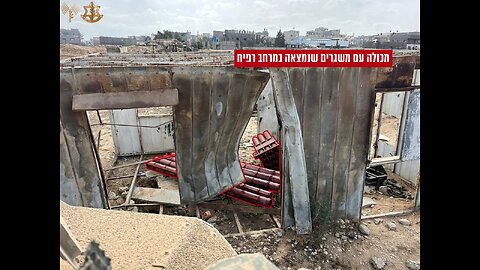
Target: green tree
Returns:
[[158, 35], [280, 39]]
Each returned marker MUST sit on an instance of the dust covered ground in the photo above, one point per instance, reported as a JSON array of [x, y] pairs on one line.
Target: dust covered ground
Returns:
[[335, 244], [341, 246], [71, 50]]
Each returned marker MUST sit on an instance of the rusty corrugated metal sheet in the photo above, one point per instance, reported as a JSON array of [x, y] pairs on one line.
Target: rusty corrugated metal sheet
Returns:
[[334, 107], [80, 180], [411, 142], [294, 171], [215, 104]]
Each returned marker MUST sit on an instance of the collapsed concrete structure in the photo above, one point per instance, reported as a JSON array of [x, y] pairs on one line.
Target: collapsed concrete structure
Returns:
[[324, 118]]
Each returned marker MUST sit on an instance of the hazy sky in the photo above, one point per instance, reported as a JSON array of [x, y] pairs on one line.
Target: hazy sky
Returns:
[[144, 17]]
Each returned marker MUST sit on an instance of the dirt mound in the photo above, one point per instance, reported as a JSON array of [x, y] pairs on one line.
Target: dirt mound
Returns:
[[71, 50], [139, 49], [142, 241]]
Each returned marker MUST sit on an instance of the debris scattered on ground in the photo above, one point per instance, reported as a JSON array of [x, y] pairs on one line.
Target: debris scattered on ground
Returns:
[[378, 263], [150, 174], [364, 229], [369, 189], [392, 188], [391, 226], [377, 221], [206, 215], [405, 222], [120, 200], [383, 190], [352, 234], [112, 195], [412, 265], [368, 202]]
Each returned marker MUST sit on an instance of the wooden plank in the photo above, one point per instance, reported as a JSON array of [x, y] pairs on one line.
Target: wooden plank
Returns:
[[239, 208], [125, 100], [277, 221], [183, 135], [365, 104], [294, 152], [274, 230], [200, 125], [388, 214], [197, 212], [311, 125], [237, 221], [326, 137], [163, 196], [77, 154], [126, 165], [384, 160], [132, 184], [134, 204], [343, 146]]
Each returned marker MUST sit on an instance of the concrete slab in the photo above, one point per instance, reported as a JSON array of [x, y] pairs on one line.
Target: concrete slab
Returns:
[[164, 196]]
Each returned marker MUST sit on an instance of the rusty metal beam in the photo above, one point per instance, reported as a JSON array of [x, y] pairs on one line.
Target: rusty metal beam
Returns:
[[125, 100], [81, 183], [91, 80], [400, 75], [292, 145]]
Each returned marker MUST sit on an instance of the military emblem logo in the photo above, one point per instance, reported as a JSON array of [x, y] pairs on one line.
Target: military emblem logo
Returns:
[[92, 13], [70, 11]]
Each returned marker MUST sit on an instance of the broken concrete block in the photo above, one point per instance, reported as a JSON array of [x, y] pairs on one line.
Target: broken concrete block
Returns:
[[391, 226], [405, 222], [412, 265], [364, 229], [378, 263]]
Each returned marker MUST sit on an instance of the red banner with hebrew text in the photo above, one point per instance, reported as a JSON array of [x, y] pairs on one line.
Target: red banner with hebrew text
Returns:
[[312, 58]]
